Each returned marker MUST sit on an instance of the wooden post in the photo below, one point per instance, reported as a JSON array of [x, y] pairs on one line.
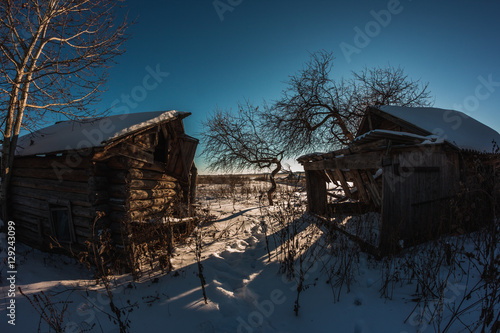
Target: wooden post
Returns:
[[373, 189], [316, 192]]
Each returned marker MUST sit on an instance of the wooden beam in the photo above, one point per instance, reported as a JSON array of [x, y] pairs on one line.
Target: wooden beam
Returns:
[[150, 194], [71, 160], [148, 212], [58, 173], [372, 188], [155, 166], [127, 150], [358, 181], [74, 198], [141, 204], [331, 177], [148, 174], [369, 160], [151, 184], [136, 153], [343, 183], [370, 146], [51, 185]]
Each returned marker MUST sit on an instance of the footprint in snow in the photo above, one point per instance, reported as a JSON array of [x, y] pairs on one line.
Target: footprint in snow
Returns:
[[240, 244]]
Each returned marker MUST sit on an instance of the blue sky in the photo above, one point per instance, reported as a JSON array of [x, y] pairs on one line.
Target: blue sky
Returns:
[[246, 49]]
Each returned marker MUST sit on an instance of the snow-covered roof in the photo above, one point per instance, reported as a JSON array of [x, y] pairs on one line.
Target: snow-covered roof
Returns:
[[389, 133], [97, 132], [453, 126]]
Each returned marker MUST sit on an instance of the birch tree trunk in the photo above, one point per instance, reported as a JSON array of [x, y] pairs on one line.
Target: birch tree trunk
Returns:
[[54, 56]]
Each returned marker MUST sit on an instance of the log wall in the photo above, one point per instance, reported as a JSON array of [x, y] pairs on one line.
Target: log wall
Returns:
[[126, 181], [38, 182], [150, 191], [139, 189]]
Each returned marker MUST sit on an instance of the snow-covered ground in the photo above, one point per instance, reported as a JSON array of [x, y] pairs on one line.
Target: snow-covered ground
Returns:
[[342, 289]]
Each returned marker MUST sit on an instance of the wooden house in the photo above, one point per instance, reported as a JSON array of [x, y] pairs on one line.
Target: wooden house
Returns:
[[425, 170], [119, 169]]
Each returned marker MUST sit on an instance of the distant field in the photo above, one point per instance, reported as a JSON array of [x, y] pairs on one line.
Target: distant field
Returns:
[[242, 178]]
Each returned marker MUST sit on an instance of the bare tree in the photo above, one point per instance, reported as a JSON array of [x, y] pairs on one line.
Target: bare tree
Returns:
[[234, 142], [54, 56], [318, 112], [314, 112]]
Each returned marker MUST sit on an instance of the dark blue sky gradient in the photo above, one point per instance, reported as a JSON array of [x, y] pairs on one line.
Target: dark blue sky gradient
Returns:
[[454, 45]]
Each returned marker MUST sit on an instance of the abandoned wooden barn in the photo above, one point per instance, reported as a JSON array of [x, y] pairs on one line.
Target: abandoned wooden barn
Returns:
[[425, 170], [120, 169]]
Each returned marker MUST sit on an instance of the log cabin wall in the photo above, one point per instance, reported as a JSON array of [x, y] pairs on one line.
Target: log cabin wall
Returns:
[[147, 175], [137, 192], [161, 180], [56, 199], [150, 191], [55, 195]]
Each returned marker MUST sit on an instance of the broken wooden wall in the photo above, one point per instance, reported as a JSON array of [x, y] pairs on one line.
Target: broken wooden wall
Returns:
[[419, 184]]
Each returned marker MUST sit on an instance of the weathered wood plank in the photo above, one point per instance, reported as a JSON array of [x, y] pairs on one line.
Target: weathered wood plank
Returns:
[[75, 198], [36, 211], [391, 211], [128, 150], [136, 153], [28, 221], [29, 202], [60, 174], [74, 161], [151, 184], [374, 189], [360, 185], [149, 175], [150, 194], [147, 212], [316, 192], [82, 222], [86, 212], [340, 176], [51, 185], [156, 166], [28, 235], [370, 160], [141, 204], [146, 140], [84, 233]]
